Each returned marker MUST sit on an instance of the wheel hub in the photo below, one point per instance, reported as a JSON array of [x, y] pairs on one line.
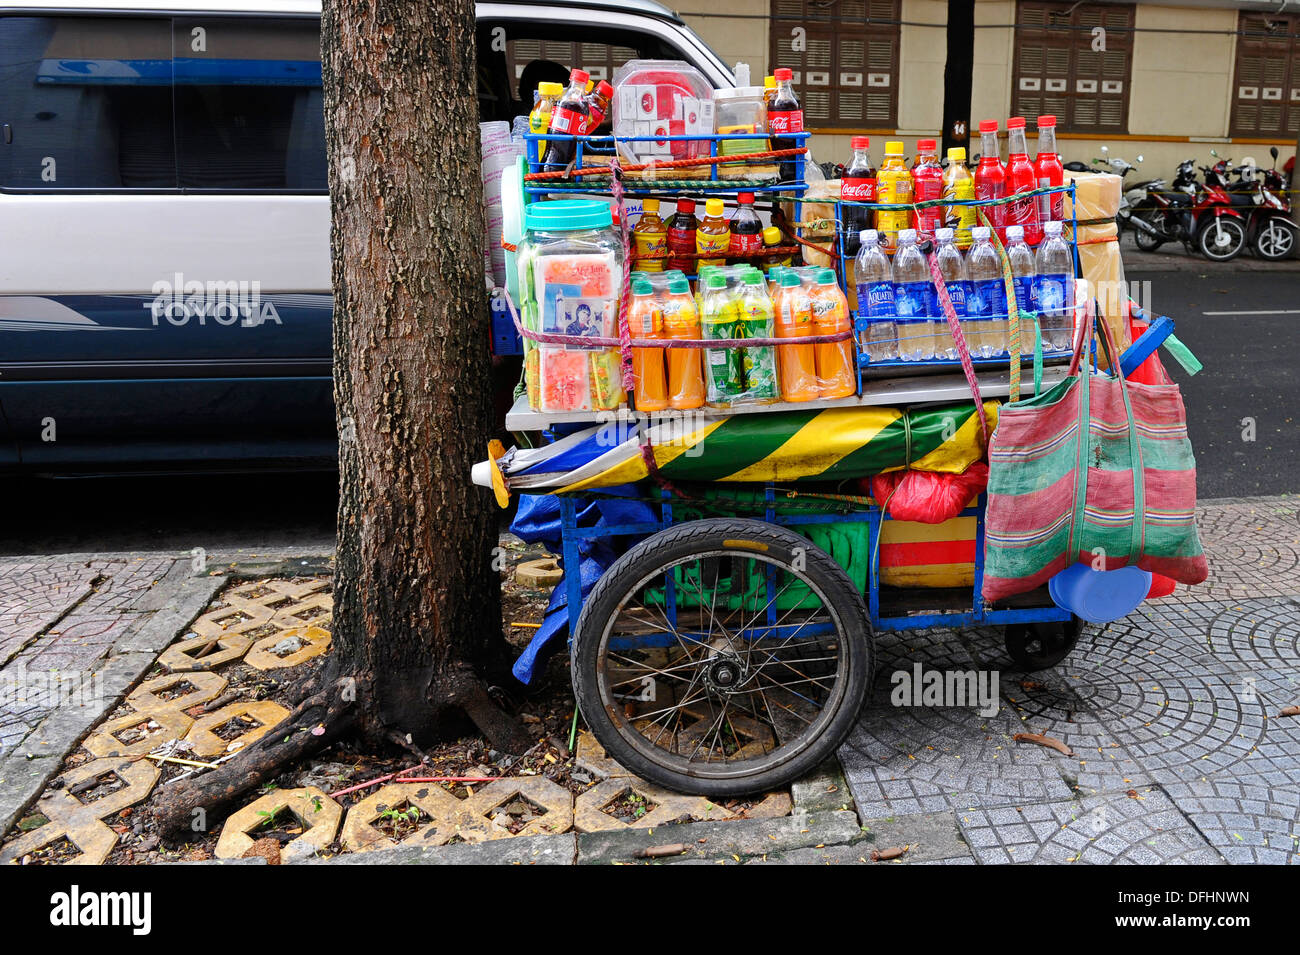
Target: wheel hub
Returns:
[[724, 673]]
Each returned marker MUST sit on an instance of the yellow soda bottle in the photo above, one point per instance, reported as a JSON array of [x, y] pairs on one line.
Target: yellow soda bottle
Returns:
[[893, 185], [958, 184]]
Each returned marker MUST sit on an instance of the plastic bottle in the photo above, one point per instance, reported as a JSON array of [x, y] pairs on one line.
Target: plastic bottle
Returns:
[[986, 300], [796, 364], [875, 280], [911, 289], [784, 117], [645, 320], [568, 118], [1049, 172], [1055, 288], [959, 184], [598, 101], [835, 361], [769, 91], [1022, 276], [720, 319], [650, 235], [772, 239], [893, 185], [991, 176], [757, 320], [953, 269], [712, 236], [927, 178], [858, 185], [1021, 178], [548, 94], [746, 231], [682, 323], [681, 236]]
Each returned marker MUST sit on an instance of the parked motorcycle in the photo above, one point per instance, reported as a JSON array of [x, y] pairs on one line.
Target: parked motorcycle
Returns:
[[1219, 230], [1163, 212], [1270, 230], [1123, 167]]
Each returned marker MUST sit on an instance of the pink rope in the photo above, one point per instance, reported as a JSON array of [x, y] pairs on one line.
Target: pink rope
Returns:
[[959, 339], [624, 331]]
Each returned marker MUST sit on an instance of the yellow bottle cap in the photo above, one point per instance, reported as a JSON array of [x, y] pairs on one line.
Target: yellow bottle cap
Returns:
[[714, 207], [893, 149], [957, 154], [771, 235], [649, 205], [769, 82], [550, 89]]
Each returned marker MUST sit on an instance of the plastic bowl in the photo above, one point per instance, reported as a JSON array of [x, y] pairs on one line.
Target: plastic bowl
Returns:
[[1099, 596]]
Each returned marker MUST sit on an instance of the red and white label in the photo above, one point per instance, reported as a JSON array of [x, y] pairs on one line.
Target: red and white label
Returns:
[[858, 190], [744, 243], [567, 122], [785, 121]]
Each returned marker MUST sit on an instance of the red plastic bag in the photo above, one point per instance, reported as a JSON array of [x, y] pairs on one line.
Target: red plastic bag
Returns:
[[927, 496]]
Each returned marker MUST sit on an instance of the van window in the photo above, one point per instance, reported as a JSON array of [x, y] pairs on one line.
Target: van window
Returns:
[[88, 101]]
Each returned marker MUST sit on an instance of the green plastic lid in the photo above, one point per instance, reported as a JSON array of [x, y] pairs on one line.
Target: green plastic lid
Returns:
[[642, 287], [754, 278], [790, 279], [716, 281], [568, 215], [678, 285], [826, 277]]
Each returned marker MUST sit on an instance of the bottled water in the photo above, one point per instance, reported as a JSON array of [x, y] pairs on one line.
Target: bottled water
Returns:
[[1055, 289], [1022, 274], [953, 269], [911, 291], [986, 300], [875, 281]]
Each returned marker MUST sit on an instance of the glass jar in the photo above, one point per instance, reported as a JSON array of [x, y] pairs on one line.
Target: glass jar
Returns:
[[571, 279]]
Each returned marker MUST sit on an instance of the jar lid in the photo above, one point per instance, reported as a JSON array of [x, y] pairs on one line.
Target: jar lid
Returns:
[[739, 92], [568, 215]]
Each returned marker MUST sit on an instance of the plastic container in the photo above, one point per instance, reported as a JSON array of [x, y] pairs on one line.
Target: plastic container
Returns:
[[739, 110], [662, 98], [570, 268], [1099, 596]]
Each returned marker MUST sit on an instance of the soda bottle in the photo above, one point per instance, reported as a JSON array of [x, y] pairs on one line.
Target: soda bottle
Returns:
[[568, 118], [548, 94], [858, 185], [772, 239], [835, 361], [796, 364], [1055, 288], [712, 236], [986, 302], [927, 177], [784, 117], [769, 91], [1048, 171], [875, 280], [720, 319], [1021, 178], [1022, 275], [681, 236], [598, 101], [756, 321], [953, 269], [958, 184], [746, 230], [911, 289], [893, 185], [991, 177], [650, 236], [682, 323], [645, 320]]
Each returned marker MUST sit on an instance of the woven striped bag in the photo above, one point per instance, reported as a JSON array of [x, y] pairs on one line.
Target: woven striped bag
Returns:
[[1097, 469]]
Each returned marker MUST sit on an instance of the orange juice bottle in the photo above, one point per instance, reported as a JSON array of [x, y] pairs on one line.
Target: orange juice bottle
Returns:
[[650, 236], [645, 320], [893, 186], [796, 364], [834, 360], [682, 322], [713, 235]]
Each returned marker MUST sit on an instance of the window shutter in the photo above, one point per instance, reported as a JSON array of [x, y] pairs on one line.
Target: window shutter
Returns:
[[1266, 80]]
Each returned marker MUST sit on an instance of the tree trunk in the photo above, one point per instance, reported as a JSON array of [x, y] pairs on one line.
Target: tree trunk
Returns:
[[416, 599]]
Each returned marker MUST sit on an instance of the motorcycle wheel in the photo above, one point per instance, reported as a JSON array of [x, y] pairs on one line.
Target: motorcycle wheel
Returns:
[[1221, 239], [1275, 240], [1144, 239]]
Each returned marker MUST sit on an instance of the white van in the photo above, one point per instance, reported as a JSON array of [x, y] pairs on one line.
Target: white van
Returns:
[[164, 222]]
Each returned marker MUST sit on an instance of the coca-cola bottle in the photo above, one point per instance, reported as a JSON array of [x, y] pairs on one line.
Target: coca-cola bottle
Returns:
[[568, 118], [858, 185], [784, 117]]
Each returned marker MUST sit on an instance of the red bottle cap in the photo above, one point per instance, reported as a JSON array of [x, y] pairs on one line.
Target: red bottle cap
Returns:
[[925, 145], [685, 205], [604, 89], [783, 74], [1046, 121], [1016, 122], [860, 142], [988, 125], [579, 76], [747, 197]]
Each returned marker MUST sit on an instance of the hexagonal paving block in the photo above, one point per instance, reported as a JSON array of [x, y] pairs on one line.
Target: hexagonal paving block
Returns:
[[138, 775], [207, 686], [172, 724], [360, 834], [316, 641], [318, 813], [550, 805], [206, 743], [92, 837], [592, 758], [179, 656], [589, 810]]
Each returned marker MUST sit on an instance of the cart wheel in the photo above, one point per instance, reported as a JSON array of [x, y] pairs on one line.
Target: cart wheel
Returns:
[[722, 657], [1037, 646]]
